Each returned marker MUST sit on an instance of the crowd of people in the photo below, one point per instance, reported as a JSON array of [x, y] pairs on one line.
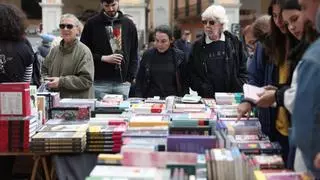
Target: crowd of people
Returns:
[[279, 52]]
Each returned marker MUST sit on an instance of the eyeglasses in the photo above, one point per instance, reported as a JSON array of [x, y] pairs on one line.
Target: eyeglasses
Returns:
[[204, 22], [63, 26]]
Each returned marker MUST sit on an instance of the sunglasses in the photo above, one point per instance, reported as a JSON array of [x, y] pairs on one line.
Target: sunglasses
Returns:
[[63, 26], [204, 22]]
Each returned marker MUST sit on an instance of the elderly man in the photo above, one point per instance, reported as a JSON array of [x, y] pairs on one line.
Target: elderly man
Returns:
[[217, 62]]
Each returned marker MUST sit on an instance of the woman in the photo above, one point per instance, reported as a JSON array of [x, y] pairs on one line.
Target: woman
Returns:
[[16, 60], [302, 30], [265, 71], [162, 69], [16, 54], [294, 48], [69, 67]]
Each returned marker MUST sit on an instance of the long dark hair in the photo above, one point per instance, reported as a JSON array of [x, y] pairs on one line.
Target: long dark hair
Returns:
[[13, 22], [277, 38], [298, 47]]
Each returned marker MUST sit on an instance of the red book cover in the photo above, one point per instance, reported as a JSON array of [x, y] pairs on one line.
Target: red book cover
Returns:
[[156, 108], [15, 99]]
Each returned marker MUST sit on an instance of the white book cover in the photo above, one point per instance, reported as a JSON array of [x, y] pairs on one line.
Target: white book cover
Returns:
[[129, 172], [251, 92]]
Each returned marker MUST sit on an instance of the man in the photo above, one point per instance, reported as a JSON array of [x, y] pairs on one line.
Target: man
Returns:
[[112, 39], [306, 98], [217, 62], [184, 42]]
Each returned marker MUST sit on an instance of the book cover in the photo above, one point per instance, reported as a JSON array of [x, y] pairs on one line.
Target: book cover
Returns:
[[195, 144], [15, 99]]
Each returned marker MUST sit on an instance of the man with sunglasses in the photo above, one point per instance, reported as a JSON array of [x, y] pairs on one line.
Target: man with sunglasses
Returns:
[[112, 39], [217, 62]]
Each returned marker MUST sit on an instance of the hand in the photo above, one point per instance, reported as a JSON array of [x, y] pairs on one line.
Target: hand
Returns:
[[317, 161], [53, 82], [244, 109], [270, 87], [267, 98], [112, 59]]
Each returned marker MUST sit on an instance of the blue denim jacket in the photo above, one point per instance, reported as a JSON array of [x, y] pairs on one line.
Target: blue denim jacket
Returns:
[[306, 110]]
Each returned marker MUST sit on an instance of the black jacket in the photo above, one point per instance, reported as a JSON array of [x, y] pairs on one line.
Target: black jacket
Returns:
[[94, 35], [16, 59], [235, 65], [144, 74]]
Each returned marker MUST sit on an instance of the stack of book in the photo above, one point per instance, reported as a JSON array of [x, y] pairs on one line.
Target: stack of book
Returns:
[[104, 138], [228, 98], [59, 142], [148, 108], [16, 133], [67, 102], [110, 159], [268, 161], [225, 164], [190, 124], [149, 120]]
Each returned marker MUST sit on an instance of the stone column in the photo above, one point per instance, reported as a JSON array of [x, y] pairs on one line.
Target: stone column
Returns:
[[233, 11], [137, 10], [161, 12], [51, 13]]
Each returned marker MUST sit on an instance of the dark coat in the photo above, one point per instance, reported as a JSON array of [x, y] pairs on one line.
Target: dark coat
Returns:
[[235, 66], [94, 35], [144, 74]]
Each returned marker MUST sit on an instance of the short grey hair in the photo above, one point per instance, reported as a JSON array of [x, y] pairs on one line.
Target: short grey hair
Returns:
[[217, 12], [75, 19], [261, 27]]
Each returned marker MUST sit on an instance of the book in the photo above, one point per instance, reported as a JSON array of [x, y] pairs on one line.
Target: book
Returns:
[[15, 99], [260, 175], [64, 128], [125, 172], [189, 143], [251, 92], [188, 98]]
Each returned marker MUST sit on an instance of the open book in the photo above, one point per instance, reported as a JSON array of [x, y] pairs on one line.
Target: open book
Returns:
[[251, 92]]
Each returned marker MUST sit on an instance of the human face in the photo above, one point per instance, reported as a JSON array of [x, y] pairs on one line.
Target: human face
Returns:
[[212, 28], [112, 8], [68, 30], [309, 9], [162, 42], [186, 35], [250, 42], [295, 21], [277, 18]]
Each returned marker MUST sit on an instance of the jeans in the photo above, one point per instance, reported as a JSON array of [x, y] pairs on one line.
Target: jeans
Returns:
[[108, 87]]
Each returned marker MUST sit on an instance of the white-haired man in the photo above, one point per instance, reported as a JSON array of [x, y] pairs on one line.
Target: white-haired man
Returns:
[[217, 61]]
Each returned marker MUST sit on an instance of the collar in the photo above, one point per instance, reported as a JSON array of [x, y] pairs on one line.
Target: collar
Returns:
[[114, 17], [222, 38], [68, 48]]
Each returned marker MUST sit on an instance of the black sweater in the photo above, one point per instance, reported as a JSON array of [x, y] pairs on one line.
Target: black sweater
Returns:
[[94, 35], [172, 73], [16, 59], [234, 65]]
